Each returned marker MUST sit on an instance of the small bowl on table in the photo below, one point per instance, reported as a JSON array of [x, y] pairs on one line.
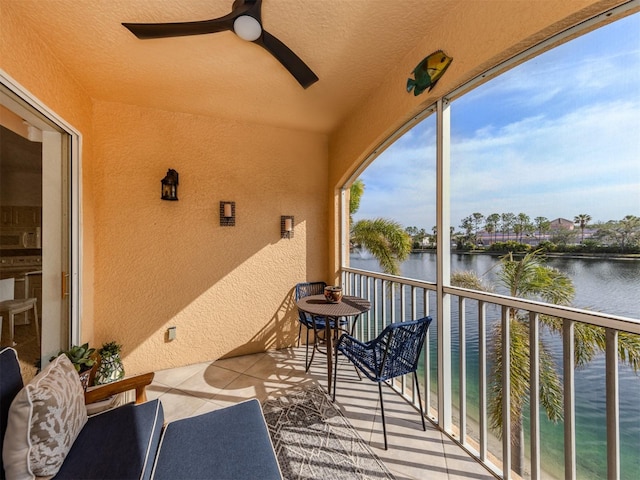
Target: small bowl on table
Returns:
[[333, 294]]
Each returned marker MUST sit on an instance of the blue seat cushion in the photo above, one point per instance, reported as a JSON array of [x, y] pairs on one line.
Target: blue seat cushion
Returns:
[[117, 444], [232, 443], [10, 385]]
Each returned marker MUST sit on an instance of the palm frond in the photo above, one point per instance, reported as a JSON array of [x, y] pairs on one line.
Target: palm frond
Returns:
[[469, 279], [518, 375], [629, 349], [387, 241], [551, 391], [589, 340]]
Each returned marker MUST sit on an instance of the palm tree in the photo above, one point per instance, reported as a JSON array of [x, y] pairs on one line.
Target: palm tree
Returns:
[[582, 221], [507, 219], [624, 233], [542, 224], [477, 219], [387, 241], [491, 224], [628, 230], [522, 224], [530, 278], [355, 195]]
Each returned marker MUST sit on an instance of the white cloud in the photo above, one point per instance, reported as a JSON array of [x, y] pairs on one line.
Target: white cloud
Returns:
[[587, 161], [556, 136]]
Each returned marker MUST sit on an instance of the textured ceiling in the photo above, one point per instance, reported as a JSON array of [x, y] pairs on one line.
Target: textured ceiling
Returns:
[[349, 44]]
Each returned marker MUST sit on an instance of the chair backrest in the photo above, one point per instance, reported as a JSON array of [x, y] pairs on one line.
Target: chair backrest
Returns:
[[10, 385], [306, 289], [400, 344], [7, 289], [309, 288]]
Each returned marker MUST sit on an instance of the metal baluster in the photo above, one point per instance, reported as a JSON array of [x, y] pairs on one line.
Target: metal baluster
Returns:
[[506, 395], [427, 358], [534, 395], [462, 359], [568, 349], [613, 407], [482, 375]]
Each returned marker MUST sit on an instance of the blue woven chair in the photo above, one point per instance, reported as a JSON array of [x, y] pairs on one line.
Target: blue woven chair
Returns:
[[312, 322], [393, 353]]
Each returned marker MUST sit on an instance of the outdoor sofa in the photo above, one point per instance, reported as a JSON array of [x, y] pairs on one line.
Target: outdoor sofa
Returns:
[[45, 432]]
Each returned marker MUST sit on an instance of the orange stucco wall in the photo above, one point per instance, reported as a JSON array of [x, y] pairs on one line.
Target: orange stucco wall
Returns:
[[159, 264]]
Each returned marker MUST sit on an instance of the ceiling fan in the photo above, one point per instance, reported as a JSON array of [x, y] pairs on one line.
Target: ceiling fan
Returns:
[[246, 22]]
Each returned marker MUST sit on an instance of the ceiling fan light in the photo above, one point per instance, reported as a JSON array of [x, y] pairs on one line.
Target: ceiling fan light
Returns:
[[247, 28]]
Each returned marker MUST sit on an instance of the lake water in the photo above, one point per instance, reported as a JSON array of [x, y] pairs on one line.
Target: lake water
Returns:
[[611, 286]]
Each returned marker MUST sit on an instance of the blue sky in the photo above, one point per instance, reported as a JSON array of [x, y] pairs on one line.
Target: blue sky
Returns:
[[555, 137]]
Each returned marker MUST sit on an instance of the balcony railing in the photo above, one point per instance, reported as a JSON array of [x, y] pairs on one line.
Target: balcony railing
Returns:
[[473, 315]]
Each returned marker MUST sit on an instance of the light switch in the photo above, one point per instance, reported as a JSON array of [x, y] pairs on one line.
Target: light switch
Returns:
[[171, 333]]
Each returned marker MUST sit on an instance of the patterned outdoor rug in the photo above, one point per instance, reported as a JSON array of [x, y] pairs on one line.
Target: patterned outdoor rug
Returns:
[[313, 440]]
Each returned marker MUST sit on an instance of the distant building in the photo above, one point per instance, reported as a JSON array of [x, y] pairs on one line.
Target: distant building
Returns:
[[561, 223]]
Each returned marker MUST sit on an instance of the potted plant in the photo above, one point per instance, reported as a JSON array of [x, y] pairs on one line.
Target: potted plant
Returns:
[[111, 367], [83, 359]]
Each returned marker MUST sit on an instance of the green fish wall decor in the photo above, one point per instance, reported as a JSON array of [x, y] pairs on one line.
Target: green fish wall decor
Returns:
[[428, 72]]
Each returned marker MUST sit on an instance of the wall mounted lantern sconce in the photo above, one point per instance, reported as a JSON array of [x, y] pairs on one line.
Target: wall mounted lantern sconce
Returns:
[[227, 214], [286, 226], [170, 185]]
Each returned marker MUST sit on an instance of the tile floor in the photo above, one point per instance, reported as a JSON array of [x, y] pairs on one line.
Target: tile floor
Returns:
[[412, 453]]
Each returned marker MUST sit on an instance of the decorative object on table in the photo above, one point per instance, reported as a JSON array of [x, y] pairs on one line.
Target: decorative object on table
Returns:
[[83, 359], [245, 20], [313, 439], [333, 293], [393, 353], [170, 185], [286, 226], [428, 72], [227, 214], [110, 367]]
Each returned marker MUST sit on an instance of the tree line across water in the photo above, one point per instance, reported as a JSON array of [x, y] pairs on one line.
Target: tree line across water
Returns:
[[508, 232], [390, 243]]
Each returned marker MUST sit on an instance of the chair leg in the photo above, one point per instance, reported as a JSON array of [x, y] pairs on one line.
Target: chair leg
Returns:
[[424, 426], [12, 323], [353, 329], [307, 363], [357, 371], [335, 374], [299, 333], [353, 325], [313, 348], [384, 425], [35, 320]]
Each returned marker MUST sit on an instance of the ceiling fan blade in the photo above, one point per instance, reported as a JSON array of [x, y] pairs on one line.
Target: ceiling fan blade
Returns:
[[301, 72], [182, 29]]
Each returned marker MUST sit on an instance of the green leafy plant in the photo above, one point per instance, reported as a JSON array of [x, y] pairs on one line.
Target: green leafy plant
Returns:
[[110, 368], [110, 348], [82, 357]]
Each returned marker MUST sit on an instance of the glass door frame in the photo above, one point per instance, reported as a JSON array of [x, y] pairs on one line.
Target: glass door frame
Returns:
[[19, 100]]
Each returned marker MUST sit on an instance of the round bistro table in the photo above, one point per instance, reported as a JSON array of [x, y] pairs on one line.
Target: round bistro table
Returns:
[[319, 306]]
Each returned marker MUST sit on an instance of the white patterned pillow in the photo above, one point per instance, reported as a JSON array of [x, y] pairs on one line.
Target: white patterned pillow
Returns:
[[44, 420]]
